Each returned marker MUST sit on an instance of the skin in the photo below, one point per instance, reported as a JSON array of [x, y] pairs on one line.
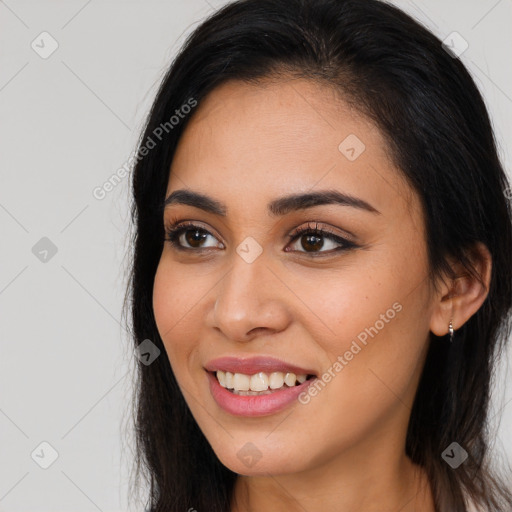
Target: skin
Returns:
[[344, 450]]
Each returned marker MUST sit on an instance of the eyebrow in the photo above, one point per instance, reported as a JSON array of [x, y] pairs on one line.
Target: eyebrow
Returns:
[[277, 207]]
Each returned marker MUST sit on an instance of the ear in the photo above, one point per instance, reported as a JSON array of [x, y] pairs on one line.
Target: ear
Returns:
[[460, 298]]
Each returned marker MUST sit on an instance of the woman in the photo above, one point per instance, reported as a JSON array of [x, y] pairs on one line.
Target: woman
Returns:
[[322, 260]]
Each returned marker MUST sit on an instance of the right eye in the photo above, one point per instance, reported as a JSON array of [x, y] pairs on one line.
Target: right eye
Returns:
[[189, 236]]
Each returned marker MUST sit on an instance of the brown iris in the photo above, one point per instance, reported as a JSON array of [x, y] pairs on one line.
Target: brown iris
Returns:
[[313, 241], [193, 236]]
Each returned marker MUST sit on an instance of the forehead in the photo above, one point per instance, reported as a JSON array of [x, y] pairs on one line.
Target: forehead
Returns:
[[253, 142]]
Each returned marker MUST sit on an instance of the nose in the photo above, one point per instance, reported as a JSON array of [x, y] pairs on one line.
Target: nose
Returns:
[[251, 301]]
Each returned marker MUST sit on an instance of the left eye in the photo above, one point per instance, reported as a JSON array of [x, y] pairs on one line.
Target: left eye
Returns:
[[313, 239]]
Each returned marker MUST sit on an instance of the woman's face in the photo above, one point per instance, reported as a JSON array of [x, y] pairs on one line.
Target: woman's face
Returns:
[[354, 314]]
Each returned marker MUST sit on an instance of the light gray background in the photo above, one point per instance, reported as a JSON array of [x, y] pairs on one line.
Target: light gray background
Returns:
[[67, 123]]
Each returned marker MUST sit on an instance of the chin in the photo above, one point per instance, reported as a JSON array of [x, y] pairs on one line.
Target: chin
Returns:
[[259, 458], [260, 468]]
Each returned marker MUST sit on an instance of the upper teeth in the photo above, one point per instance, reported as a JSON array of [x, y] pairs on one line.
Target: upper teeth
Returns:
[[259, 381]]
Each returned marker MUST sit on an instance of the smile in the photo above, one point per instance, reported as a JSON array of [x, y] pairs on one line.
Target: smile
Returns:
[[256, 385], [255, 403]]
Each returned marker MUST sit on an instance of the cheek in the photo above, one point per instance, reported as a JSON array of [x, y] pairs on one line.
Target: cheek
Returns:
[[166, 305], [342, 304], [374, 317], [177, 295], [378, 347], [173, 304]]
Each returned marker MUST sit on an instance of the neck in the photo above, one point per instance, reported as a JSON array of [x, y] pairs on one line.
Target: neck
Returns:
[[372, 485]]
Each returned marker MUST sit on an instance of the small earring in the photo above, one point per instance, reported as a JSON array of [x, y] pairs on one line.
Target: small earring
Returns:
[[450, 328]]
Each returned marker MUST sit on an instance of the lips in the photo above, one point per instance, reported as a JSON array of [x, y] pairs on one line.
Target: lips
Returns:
[[255, 364], [255, 406]]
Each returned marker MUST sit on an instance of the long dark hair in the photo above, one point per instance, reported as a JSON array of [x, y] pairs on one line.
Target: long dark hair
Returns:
[[429, 109]]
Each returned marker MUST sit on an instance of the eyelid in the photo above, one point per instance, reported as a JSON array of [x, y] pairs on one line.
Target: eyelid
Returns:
[[174, 224], [325, 229]]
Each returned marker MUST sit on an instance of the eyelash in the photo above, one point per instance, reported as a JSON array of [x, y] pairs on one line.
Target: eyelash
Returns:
[[175, 230]]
